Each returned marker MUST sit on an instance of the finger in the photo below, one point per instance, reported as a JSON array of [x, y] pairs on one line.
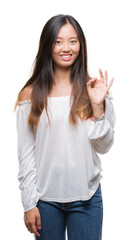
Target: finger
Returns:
[[101, 73], [29, 227], [106, 77], [110, 84], [38, 221], [88, 83], [34, 230], [91, 82], [92, 79], [102, 79]]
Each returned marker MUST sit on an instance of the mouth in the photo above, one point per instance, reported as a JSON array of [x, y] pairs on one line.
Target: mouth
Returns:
[[66, 57]]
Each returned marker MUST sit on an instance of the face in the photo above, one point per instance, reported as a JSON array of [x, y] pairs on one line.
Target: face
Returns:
[[67, 47]]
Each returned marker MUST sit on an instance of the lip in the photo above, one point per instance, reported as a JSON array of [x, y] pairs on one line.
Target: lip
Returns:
[[66, 57]]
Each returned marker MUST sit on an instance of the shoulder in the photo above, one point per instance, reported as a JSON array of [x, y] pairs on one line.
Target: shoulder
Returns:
[[26, 94]]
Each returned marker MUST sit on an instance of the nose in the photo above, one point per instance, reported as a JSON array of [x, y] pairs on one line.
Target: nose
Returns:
[[66, 47]]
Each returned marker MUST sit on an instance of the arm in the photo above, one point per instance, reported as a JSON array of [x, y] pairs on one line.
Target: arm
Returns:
[[27, 168], [101, 132], [26, 156]]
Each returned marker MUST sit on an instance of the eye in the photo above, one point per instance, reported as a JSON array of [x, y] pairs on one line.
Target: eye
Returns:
[[58, 42], [73, 41]]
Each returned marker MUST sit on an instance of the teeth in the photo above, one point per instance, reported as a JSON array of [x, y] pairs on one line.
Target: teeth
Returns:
[[66, 56]]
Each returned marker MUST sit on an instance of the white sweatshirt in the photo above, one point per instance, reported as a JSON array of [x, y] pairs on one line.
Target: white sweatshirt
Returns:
[[60, 162]]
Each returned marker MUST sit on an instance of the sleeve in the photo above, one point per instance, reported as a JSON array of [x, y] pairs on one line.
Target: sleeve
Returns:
[[26, 157], [101, 133]]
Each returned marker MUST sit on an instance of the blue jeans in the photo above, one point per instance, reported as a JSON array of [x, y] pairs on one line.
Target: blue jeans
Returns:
[[83, 219]]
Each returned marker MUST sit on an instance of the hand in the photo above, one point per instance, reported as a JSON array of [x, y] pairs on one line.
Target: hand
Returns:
[[97, 89], [30, 218]]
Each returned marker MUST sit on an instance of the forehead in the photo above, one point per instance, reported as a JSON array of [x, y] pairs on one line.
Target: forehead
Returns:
[[67, 30]]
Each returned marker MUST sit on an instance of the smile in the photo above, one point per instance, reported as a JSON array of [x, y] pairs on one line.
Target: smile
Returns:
[[66, 57]]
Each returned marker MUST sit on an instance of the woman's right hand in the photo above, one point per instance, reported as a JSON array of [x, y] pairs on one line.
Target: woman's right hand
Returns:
[[32, 220]]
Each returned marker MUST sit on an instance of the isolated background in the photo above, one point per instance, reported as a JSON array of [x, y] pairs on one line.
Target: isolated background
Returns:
[[106, 26]]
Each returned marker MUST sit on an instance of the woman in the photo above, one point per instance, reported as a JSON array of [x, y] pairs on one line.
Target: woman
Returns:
[[64, 119]]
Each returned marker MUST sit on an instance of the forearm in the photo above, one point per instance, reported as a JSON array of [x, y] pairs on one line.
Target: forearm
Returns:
[[26, 157], [101, 135], [27, 180], [98, 110], [101, 132]]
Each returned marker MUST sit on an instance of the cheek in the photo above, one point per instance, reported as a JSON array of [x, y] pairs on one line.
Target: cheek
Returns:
[[54, 55], [77, 49], [55, 52], [77, 52]]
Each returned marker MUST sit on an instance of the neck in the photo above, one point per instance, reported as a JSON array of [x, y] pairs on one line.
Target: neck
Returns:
[[62, 76]]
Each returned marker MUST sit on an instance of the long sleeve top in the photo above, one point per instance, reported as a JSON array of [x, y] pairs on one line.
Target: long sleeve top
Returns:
[[60, 162]]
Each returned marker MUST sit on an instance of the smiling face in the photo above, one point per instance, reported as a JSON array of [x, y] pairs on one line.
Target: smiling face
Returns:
[[66, 48]]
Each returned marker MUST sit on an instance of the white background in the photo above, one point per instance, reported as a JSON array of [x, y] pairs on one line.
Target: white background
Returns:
[[106, 26]]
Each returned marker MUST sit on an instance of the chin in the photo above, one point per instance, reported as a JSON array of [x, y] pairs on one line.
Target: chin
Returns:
[[65, 64]]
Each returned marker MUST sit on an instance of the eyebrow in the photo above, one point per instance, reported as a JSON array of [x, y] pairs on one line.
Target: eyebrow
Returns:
[[70, 37]]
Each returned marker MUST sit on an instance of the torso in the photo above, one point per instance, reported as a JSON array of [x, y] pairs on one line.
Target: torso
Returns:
[[60, 91]]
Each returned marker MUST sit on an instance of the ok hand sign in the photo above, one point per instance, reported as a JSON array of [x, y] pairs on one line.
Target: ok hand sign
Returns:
[[97, 89]]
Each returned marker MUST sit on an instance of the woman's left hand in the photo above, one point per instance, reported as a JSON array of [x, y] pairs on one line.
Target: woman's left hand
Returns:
[[97, 89]]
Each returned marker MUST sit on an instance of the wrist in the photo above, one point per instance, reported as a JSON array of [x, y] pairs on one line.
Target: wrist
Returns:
[[98, 119], [98, 110]]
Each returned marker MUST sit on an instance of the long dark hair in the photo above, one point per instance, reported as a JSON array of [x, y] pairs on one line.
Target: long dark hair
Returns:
[[41, 80]]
